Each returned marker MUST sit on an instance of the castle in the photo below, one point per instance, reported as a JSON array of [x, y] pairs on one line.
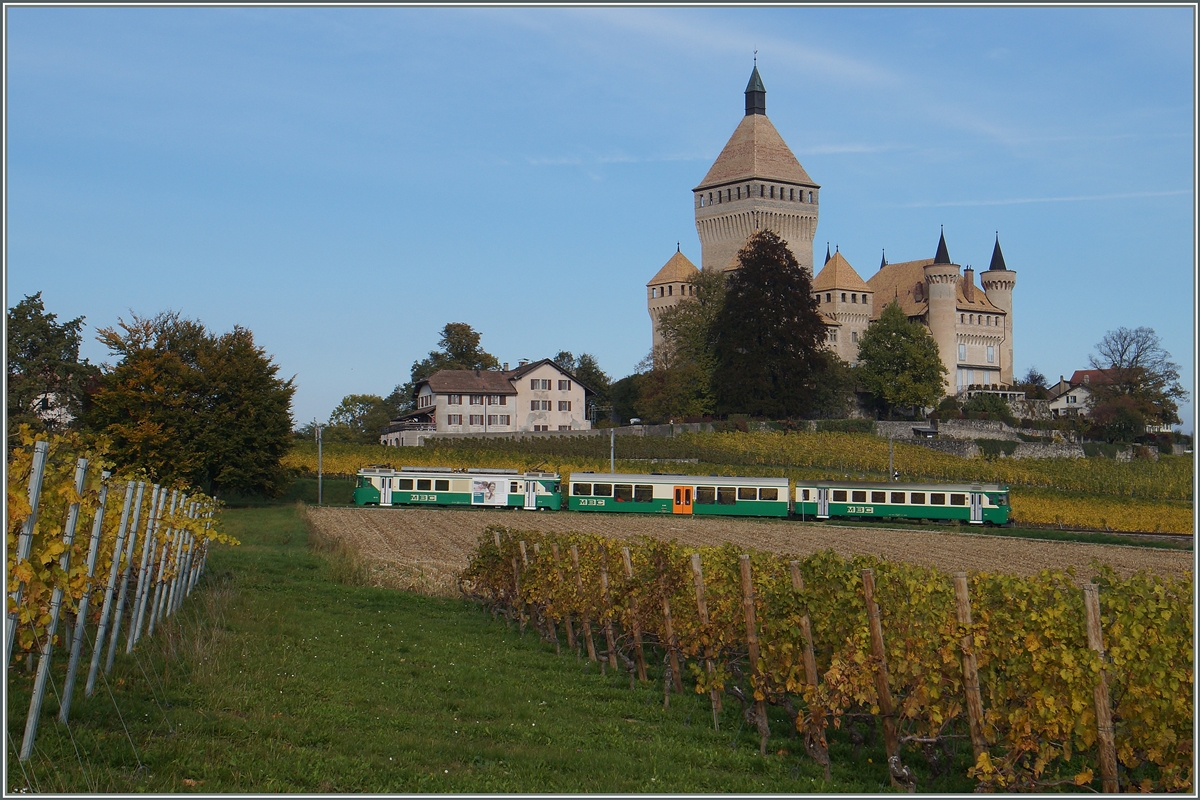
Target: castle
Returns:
[[757, 183]]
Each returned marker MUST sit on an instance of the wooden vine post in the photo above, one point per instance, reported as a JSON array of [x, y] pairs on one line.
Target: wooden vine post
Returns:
[[1104, 725], [635, 621], [970, 668], [672, 645], [609, 639], [519, 601], [587, 622], [566, 612], [890, 739], [760, 706], [702, 608], [815, 736], [537, 553]]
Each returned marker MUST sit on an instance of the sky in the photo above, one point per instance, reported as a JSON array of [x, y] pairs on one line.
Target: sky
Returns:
[[345, 181]]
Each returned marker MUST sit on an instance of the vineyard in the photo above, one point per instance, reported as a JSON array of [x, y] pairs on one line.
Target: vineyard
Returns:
[[1095, 494], [93, 554], [1048, 684]]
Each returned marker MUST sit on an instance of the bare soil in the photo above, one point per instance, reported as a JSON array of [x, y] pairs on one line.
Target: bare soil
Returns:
[[424, 549]]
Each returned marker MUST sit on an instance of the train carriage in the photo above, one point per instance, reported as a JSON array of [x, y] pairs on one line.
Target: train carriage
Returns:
[[679, 494], [443, 486], [976, 504]]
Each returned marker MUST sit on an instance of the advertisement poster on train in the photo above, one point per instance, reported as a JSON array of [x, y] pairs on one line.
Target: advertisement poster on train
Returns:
[[483, 493]]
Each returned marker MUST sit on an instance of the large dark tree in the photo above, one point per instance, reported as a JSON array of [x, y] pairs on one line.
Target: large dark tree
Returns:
[[587, 369], [898, 362], [46, 379], [188, 405], [1140, 369], [769, 337], [458, 348]]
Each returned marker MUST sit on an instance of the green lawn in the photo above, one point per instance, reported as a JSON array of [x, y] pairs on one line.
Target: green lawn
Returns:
[[276, 678]]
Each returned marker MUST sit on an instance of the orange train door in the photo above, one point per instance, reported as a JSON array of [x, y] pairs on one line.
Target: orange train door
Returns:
[[683, 500]]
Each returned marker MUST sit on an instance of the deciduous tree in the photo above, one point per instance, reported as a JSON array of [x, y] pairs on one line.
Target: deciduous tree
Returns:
[[1138, 367], [182, 403], [768, 336], [898, 362], [458, 348]]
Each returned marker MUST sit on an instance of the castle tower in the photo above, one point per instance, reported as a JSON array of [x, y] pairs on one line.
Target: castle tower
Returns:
[[668, 288], [998, 282], [755, 183], [846, 299], [941, 288]]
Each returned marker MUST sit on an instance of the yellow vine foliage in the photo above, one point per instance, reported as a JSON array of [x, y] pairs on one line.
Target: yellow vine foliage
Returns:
[[41, 573], [1037, 675]]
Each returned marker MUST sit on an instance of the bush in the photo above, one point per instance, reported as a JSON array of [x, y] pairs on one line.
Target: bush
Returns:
[[1100, 450], [846, 426], [992, 448]]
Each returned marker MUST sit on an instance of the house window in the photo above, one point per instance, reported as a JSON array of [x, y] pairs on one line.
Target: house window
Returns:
[[454, 419], [454, 399], [564, 386], [991, 354], [477, 419], [505, 419], [564, 427], [962, 352], [564, 405], [497, 400], [425, 401], [476, 399], [539, 384], [541, 427]]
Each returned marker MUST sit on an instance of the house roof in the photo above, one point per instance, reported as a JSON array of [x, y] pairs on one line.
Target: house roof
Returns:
[[678, 268], [838, 274], [755, 150], [1086, 377], [487, 381]]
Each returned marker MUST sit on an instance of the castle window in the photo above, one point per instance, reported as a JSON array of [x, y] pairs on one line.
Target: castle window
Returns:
[[833, 336], [772, 192], [853, 298], [972, 319], [962, 352], [791, 194], [991, 355], [762, 190], [719, 198], [843, 297], [854, 336], [810, 196], [827, 300], [710, 198], [962, 317], [739, 193], [669, 289]]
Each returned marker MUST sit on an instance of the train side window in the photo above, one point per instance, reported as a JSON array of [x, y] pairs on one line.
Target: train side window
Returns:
[[937, 499], [726, 495], [958, 499], [898, 498], [424, 484], [512, 487], [406, 483], [706, 495], [858, 496], [623, 492], [768, 494], [804, 494], [441, 486], [878, 497], [643, 494], [747, 493], [602, 489], [839, 495], [581, 490], [916, 498]]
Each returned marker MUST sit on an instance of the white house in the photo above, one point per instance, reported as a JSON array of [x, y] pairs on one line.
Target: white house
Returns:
[[538, 396]]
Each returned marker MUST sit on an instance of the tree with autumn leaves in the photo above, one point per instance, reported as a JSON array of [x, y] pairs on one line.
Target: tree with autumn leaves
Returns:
[[184, 403]]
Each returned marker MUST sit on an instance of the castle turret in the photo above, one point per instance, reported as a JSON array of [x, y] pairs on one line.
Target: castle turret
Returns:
[[668, 288], [941, 280], [998, 282], [756, 183]]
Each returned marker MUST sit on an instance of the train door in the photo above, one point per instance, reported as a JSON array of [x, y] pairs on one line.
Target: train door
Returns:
[[385, 491], [683, 500], [976, 508], [531, 495], [822, 504]]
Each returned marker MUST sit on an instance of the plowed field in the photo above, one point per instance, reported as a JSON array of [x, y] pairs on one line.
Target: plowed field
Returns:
[[424, 549]]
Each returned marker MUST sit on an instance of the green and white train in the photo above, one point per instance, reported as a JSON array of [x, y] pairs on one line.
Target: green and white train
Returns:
[[443, 486], [690, 495]]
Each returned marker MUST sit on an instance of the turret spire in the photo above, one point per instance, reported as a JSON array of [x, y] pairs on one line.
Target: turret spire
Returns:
[[756, 94], [883, 260], [943, 254], [827, 254], [997, 256]]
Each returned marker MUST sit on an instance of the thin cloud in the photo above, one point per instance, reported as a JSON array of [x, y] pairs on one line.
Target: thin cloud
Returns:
[[1067, 199], [619, 158]]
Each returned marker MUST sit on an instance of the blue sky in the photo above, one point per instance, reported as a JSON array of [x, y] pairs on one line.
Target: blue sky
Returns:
[[345, 181]]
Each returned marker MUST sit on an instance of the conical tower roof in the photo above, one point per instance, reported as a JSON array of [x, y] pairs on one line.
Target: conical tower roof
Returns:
[[943, 253], [838, 274], [997, 257], [677, 270]]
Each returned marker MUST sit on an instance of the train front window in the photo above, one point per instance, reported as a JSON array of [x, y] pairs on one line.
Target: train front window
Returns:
[[581, 489], [706, 495], [406, 483], [1000, 499], [768, 494]]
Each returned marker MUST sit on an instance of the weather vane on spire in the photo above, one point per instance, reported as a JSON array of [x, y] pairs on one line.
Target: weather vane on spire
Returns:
[[755, 58]]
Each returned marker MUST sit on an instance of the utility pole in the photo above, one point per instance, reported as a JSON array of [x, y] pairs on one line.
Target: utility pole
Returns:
[[612, 450], [891, 471], [317, 426]]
